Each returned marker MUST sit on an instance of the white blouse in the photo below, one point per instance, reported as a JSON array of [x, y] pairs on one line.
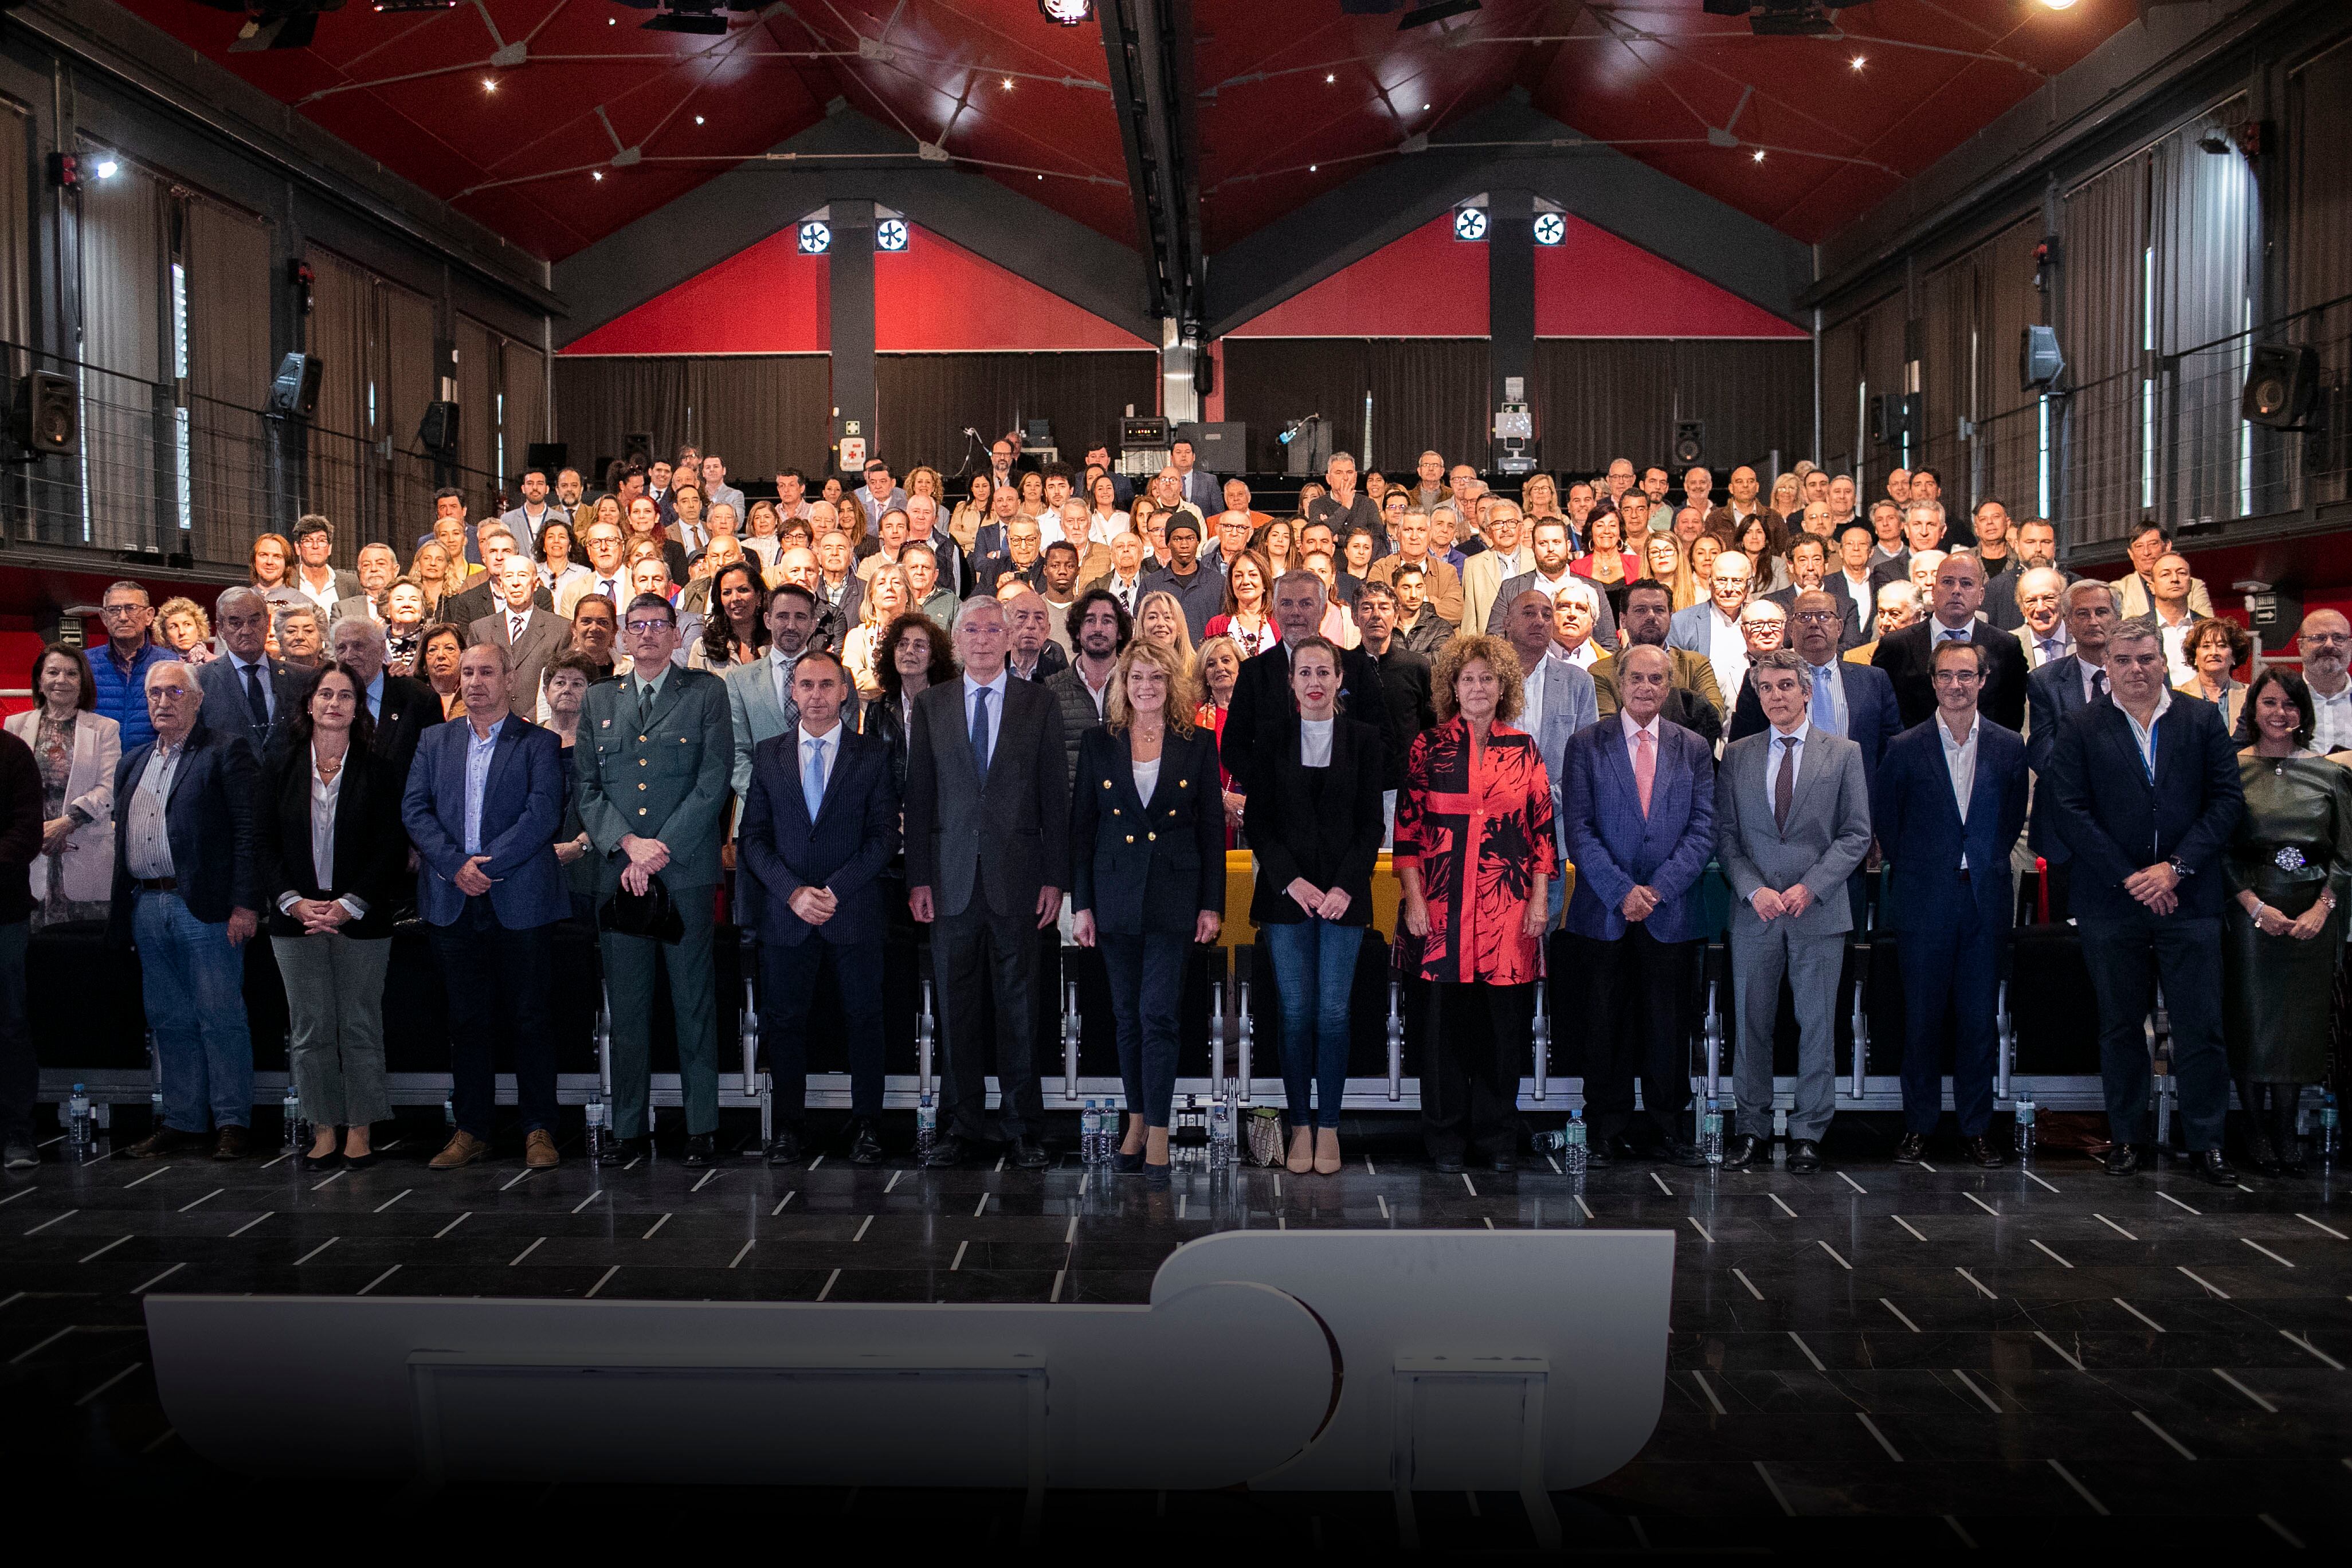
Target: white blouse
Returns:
[[1147, 779], [1314, 742]]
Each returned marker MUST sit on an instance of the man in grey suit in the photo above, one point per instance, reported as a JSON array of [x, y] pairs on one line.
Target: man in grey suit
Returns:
[[1556, 699], [2054, 694], [759, 694], [1792, 823], [987, 823], [533, 638]]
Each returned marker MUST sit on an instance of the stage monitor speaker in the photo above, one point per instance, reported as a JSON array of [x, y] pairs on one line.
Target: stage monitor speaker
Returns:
[[2038, 362], [46, 417], [2281, 384], [1690, 442], [295, 391], [437, 431], [549, 457]]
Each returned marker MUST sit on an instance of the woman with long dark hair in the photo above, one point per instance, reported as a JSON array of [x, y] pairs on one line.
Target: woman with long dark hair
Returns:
[[736, 631]]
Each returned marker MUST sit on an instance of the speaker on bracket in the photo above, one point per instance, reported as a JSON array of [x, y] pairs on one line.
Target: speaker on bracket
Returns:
[[294, 392], [1690, 442], [2281, 385], [46, 417], [2038, 362], [437, 431]]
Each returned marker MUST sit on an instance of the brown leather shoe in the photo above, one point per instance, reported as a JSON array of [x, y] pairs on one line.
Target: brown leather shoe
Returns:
[[463, 1149], [234, 1143], [538, 1150], [162, 1141]]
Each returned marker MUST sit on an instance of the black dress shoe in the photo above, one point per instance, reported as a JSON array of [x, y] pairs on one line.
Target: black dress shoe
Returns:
[[701, 1149], [1804, 1156], [2123, 1160], [1596, 1155], [361, 1162], [1911, 1148], [621, 1151], [866, 1146], [1027, 1154], [1157, 1175], [784, 1148], [1985, 1152], [1688, 1155], [1449, 1164], [1739, 1150], [949, 1150], [162, 1141], [232, 1143], [1624, 1151], [1504, 1165], [2213, 1165]]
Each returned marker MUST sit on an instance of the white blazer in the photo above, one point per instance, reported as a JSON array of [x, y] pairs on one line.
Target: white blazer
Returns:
[[88, 859]]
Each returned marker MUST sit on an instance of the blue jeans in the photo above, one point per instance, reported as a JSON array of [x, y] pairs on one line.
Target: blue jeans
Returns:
[[1315, 970], [1147, 995], [193, 982]]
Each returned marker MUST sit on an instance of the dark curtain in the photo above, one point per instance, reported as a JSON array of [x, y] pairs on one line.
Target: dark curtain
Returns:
[[2103, 329], [758, 412], [1601, 398], [925, 402], [600, 401], [2319, 248], [1425, 391], [1271, 382]]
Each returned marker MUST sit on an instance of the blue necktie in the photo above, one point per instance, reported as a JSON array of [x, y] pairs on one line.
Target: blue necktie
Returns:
[[813, 777], [1824, 716], [980, 731]]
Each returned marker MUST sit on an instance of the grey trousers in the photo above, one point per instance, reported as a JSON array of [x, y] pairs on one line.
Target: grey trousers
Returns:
[[1761, 954], [334, 1009]]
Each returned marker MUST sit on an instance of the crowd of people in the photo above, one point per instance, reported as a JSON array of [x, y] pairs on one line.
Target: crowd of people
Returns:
[[1049, 696]]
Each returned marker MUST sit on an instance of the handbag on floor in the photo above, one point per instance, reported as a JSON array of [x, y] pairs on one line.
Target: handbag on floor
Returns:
[[1265, 1136]]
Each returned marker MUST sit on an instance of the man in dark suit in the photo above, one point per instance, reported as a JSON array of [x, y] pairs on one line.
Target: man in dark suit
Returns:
[[187, 895], [482, 805], [481, 597], [987, 815], [2144, 789], [533, 637], [1947, 806], [1261, 692], [1923, 530], [1637, 817], [2054, 694], [1844, 699], [1810, 567], [1404, 683], [402, 708], [253, 696], [1196, 485], [819, 824], [1904, 655]]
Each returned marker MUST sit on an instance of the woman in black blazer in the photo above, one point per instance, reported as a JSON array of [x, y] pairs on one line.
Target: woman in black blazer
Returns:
[[330, 805], [1148, 853], [1315, 821]]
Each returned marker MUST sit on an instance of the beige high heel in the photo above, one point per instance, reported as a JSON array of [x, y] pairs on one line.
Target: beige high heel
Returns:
[[1302, 1152], [1327, 1151]]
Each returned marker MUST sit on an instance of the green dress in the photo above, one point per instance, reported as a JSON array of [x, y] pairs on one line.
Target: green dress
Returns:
[[2293, 843]]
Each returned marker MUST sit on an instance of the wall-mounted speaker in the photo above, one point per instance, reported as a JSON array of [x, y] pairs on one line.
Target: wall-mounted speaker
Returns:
[[549, 457], [437, 431], [2281, 384], [1894, 416], [294, 392], [2039, 363], [46, 417], [1690, 442]]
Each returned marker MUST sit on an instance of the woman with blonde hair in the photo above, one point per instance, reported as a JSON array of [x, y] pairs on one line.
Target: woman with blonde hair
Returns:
[[1218, 663], [924, 481], [182, 626], [887, 596], [1147, 899], [1538, 498], [429, 570], [1789, 498], [1032, 495], [1159, 618], [1665, 562]]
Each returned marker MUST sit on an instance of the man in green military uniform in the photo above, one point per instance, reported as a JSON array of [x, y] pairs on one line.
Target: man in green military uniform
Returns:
[[652, 767]]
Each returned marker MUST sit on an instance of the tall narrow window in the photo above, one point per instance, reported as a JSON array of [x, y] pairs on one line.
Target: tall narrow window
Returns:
[[2147, 384], [183, 454], [2042, 463]]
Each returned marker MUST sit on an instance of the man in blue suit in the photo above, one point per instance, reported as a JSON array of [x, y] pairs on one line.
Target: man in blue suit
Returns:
[[483, 803], [820, 822], [1949, 806], [1637, 811], [2054, 694], [2144, 789]]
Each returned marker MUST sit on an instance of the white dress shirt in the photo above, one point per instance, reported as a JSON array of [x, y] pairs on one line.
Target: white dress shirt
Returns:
[[2331, 725], [2144, 736], [1584, 658], [326, 794], [1961, 761], [479, 749], [1314, 742], [323, 596], [1793, 742], [995, 705], [826, 746], [1633, 746], [1726, 651], [2090, 675]]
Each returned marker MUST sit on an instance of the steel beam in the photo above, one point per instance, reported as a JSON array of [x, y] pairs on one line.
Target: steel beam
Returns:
[[1147, 44]]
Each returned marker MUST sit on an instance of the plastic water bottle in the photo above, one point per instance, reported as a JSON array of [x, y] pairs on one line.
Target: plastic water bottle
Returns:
[[2328, 1134], [927, 1125], [1222, 1148], [295, 1140], [1710, 1133], [79, 1127], [449, 1113], [2024, 1128], [1572, 1157], [597, 1126]]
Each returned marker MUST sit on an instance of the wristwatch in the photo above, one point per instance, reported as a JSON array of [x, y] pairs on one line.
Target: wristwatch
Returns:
[[2181, 868]]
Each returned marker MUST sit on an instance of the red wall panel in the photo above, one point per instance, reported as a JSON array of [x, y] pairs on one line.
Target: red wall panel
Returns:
[[767, 300], [1426, 284]]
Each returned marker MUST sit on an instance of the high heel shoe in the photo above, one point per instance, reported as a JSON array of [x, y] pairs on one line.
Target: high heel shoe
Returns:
[[360, 1162], [1156, 1175], [1326, 1151], [1301, 1159], [1125, 1165]]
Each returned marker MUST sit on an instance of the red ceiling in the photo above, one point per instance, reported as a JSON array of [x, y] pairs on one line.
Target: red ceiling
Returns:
[[1649, 76]]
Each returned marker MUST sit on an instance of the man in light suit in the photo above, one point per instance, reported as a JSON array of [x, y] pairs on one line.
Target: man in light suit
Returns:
[[1792, 823], [1710, 629], [2040, 595], [1505, 557], [2135, 590], [820, 822], [1948, 808], [652, 767], [1637, 819], [2055, 693], [483, 803], [1557, 696], [533, 638], [987, 815], [759, 703], [253, 696]]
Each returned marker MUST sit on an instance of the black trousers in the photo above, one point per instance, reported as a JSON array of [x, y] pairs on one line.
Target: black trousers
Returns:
[[788, 976], [1954, 967], [20, 1070], [2058, 875], [498, 982], [1635, 1004], [973, 953], [2128, 958], [1478, 1035]]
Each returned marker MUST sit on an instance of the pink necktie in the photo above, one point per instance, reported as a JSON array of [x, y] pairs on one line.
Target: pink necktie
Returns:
[[1645, 768]]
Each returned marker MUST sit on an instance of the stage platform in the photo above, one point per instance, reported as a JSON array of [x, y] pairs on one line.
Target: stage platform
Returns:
[[1871, 1357]]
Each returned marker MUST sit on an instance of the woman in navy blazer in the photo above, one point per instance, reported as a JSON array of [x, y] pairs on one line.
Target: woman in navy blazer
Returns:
[[1148, 800]]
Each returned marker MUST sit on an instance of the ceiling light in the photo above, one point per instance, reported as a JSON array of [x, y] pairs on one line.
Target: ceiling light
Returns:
[[489, 84], [1006, 84], [1311, 168], [1760, 154], [1424, 109], [697, 120], [815, 237], [596, 174], [2058, 4], [1857, 62], [1067, 13], [1330, 75], [107, 168]]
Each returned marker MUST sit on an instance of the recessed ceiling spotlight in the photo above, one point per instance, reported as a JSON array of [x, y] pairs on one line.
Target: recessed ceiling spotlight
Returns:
[[1311, 168], [489, 84], [1760, 154], [1330, 75], [596, 173], [1067, 13], [2058, 4], [107, 168], [697, 120], [1006, 84], [611, 23], [1858, 62], [1424, 109]]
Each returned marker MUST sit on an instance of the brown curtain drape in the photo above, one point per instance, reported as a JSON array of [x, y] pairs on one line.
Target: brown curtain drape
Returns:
[[343, 309], [229, 367], [2320, 248], [1602, 398], [478, 410], [762, 412], [925, 402], [599, 401], [125, 244], [2102, 332]]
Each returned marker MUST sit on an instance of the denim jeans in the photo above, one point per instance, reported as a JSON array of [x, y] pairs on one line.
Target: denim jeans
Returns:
[[1315, 970], [194, 983], [1147, 995]]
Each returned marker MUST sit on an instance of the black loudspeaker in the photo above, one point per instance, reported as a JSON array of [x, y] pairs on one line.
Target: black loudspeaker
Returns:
[[437, 431], [2039, 363], [549, 457], [46, 417], [2281, 385], [295, 391], [1690, 442], [638, 446], [1894, 416]]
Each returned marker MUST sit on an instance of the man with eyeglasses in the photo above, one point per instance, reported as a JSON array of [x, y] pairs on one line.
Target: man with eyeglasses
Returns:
[[1852, 700], [652, 776], [2325, 640], [118, 665], [2055, 692], [880, 493], [2144, 791], [1948, 808]]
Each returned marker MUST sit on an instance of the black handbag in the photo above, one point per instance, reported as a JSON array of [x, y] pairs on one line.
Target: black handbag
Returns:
[[649, 913]]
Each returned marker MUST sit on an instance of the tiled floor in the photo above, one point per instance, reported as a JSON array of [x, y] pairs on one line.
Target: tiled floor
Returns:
[[2007, 1358]]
